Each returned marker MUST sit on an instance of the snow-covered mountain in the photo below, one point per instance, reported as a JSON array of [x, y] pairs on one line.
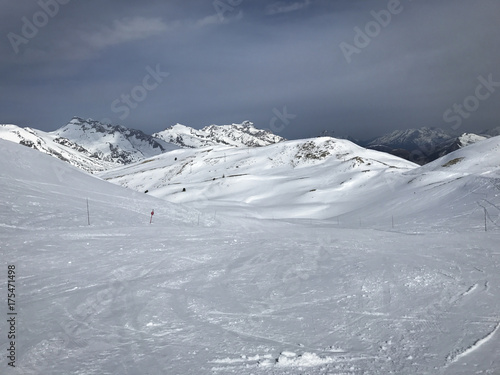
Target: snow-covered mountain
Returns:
[[57, 146], [208, 289], [320, 177], [422, 138], [94, 146], [89, 145], [455, 144], [239, 135], [302, 177], [112, 143], [421, 145]]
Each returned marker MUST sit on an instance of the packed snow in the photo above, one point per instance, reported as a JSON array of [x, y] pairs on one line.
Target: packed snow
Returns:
[[388, 272]]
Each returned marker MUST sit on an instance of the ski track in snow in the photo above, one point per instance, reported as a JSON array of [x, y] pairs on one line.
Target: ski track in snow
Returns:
[[470, 290], [457, 356]]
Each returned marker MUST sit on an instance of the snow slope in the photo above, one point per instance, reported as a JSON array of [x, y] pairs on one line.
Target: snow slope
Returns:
[[239, 135], [199, 292], [456, 190], [325, 178], [304, 178]]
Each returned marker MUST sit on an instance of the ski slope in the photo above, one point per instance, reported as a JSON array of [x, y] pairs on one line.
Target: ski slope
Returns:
[[205, 292], [326, 178], [310, 178]]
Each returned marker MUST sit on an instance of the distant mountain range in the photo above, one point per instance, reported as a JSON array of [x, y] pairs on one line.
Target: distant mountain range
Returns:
[[89, 145], [425, 144], [238, 135], [54, 145], [94, 147]]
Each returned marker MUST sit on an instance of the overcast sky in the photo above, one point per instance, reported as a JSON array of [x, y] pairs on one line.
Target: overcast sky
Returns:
[[297, 67]]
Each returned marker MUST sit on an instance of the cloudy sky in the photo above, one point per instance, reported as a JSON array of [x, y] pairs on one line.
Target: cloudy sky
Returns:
[[297, 67]]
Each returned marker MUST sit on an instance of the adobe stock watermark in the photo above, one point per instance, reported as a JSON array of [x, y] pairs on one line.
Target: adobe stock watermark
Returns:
[[31, 26], [230, 8], [280, 120], [364, 36], [457, 113], [138, 94]]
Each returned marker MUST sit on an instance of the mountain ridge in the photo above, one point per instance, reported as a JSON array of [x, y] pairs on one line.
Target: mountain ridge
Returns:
[[311, 174], [319, 177], [56, 146], [421, 145], [238, 135], [112, 143], [94, 146]]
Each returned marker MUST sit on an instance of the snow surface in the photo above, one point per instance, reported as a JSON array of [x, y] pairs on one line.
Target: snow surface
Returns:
[[324, 178], [303, 178], [206, 292]]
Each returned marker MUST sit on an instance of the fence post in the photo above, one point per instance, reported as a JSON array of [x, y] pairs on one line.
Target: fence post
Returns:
[[88, 212]]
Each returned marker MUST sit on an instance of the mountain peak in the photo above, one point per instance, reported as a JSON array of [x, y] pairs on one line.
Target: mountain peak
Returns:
[[421, 145], [237, 135], [112, 143], [81, 124]]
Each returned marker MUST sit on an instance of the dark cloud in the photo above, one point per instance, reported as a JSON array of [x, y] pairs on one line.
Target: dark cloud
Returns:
[[234, 60]]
